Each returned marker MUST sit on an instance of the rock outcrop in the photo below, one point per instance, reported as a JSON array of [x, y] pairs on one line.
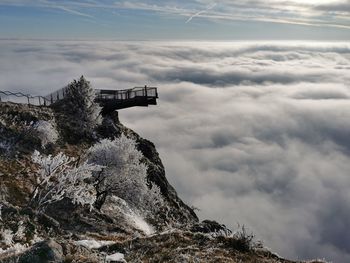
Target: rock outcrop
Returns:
[[67, 232]]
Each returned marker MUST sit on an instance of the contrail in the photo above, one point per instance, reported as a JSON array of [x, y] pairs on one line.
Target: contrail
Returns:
[[71, 11], [200, 12], [65, 8]]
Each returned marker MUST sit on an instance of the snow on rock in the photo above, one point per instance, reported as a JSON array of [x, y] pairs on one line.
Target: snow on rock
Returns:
[[141, 224], [93, 244], [116, 206], [117, 257]]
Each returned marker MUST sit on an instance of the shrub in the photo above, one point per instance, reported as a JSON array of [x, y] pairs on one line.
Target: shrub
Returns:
[[46, 132], [124, 174], [242, 241], [59, 177], [7, 237]]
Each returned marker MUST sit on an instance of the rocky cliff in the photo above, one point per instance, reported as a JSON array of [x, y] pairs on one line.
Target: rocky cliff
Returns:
[[67, 232]]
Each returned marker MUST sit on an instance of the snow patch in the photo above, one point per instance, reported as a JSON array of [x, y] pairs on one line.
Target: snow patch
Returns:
[[93, 244], [115, 206], [115, 257], [140, 223]]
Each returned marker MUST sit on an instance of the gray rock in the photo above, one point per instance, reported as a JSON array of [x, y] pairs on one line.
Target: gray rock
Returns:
[[47, 251]]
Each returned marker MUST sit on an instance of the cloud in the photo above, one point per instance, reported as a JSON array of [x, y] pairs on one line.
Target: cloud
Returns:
[[256, 133], [333, 14], [306, 13]]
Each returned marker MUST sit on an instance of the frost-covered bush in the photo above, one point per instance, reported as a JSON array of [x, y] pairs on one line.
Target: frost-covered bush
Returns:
[[124, 174], [7, 237], [20, 234], [59, 177], [80, 101], [9, 242], [46, 132]]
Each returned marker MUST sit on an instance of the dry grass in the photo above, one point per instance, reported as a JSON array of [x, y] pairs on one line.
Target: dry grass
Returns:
[[118, 238]]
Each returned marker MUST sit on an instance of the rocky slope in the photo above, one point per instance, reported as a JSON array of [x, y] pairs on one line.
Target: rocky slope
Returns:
[[70, 233]]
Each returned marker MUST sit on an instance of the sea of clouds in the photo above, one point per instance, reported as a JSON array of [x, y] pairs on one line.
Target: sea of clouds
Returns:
[[251, 133]]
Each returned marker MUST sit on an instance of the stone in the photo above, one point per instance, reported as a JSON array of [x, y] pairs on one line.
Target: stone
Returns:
[[47, 251]]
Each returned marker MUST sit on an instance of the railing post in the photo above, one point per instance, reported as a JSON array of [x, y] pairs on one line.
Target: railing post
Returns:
[[51, 99], [146, 91]]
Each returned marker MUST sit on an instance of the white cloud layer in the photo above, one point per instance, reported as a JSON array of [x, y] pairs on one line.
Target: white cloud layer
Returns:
[[256, 133]]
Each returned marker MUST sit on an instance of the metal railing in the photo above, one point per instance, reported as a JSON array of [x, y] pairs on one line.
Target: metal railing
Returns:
[[149, 92], [57, 95], [19, 97], [101, 95]]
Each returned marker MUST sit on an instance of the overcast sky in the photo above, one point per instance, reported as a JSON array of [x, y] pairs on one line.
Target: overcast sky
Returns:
[[176, 19], [250, 133]]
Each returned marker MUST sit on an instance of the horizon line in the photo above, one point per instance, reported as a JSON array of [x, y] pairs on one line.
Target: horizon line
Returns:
[[168, 40]]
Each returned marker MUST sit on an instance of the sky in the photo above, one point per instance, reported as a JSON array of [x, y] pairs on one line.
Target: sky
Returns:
[[255, 133], [176, 19]]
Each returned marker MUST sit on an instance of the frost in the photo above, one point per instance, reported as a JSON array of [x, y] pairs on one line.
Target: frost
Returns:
[[80, 100], [20, 234], [60, 176], [124, 174], [118, 207], [46, 131], [141, 224], [7, 237], [115, 257], [13, 250], [93, 244], [36, 238]]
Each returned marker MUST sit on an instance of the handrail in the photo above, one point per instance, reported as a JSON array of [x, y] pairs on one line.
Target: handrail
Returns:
[[17, 94], [149, 92], [135, 89], [29, 97], [101, 95]]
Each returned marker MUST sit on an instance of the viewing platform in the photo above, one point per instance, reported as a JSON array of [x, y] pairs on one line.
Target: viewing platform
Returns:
[[112, 100], [109, 100]]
